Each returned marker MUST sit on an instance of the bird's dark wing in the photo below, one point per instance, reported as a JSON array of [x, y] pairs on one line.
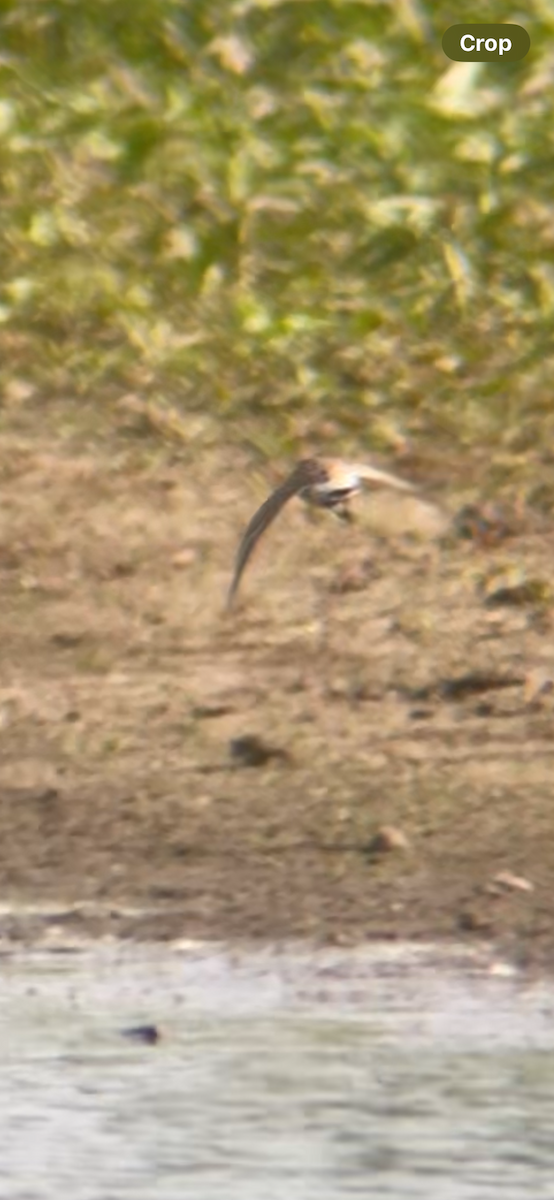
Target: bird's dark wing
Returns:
[[306, 472]]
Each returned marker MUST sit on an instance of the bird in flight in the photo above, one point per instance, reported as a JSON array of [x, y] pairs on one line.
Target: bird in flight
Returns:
[[321, 482]]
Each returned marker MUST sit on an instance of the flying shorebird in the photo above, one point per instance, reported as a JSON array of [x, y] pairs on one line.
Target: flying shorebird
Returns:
[[321, 482]]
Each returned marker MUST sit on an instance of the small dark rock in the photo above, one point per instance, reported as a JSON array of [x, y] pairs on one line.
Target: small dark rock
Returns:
[[47, 796], [531, 591], [420, 714], [251, 751], [471, 921], [206, 712], [386, 840], [67, 641], [473, 683], [149, 1035]]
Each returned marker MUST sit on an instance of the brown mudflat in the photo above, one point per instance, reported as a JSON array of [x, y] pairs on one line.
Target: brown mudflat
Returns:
[[365, 749]]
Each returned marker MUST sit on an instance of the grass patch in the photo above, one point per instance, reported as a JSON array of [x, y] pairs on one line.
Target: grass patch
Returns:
[[296, 219]]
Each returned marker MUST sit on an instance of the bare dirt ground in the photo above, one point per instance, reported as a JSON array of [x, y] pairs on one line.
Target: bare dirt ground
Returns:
[[169, 771]]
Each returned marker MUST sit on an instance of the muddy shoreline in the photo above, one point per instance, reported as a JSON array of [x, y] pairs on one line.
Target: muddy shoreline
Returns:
[[364, 751]]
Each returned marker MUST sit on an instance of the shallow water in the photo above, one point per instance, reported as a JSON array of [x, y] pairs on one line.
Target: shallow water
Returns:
[[388, 1072]]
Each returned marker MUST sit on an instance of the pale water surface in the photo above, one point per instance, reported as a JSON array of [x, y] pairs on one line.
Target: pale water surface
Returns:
[[289, 1075]]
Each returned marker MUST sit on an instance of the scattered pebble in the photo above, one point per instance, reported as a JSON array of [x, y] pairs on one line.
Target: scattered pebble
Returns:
[[184, 558], [538, 682], [205, 712], [502, 970], [508, 881], [471, 921], [149, 1035], [251, 751], [530, 591], [66, 640], [388, 838], [473, 683]]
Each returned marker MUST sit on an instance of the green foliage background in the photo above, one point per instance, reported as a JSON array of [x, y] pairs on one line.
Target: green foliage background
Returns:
[[293, 215]]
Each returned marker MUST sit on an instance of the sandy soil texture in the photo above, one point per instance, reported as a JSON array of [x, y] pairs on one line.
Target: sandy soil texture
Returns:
[[364, 749]]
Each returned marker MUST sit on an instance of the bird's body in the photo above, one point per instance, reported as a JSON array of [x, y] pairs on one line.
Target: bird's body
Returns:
[[322, 482]]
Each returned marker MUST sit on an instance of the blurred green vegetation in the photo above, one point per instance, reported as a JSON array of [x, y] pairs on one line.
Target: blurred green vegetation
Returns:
[[295, 216]]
